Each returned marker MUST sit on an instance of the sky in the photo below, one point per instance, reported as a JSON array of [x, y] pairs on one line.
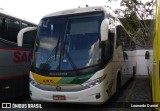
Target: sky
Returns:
[[34, 10]]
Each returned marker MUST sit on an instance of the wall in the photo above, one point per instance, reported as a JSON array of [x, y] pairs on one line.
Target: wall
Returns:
[[142, 62]]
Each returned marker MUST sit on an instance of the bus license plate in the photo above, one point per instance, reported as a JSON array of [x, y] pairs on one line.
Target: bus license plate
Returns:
[[59, 97]]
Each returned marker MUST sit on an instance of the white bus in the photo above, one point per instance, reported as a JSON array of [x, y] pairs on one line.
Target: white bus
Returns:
[[80, 55], [14, 60]]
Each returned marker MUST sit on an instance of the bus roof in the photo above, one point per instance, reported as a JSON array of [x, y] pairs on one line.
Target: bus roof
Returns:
[[2, 12], [79, 10]]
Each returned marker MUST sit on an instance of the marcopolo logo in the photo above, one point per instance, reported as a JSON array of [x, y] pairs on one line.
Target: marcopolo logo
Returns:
[[6, 105]]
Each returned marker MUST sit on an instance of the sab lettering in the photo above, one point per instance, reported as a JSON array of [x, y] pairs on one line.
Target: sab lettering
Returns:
[[20, 57]]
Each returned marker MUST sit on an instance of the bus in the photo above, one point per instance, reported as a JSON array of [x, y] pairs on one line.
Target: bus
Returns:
[[15, 61], [79, 58]]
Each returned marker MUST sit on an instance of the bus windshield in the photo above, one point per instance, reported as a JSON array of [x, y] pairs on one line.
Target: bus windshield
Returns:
[[68, 42]]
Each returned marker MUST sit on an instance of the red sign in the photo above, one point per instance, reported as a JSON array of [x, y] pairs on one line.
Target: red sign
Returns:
[[22, 57]]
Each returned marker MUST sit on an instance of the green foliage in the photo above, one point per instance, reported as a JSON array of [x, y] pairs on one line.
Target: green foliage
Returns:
[[137, 18]]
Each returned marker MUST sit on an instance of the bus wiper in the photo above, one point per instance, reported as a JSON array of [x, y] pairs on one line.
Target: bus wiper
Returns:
[[63, 40], [71, 60], [56, 50], [64, 51]]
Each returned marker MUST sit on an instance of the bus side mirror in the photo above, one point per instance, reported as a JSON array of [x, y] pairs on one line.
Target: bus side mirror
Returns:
[[26, 36], [104, 30]]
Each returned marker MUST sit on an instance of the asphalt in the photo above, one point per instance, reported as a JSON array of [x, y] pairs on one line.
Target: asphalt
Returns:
[[136, 92]]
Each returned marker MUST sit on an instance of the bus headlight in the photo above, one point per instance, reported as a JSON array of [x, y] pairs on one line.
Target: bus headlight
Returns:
[[94, 82], [33, 82]]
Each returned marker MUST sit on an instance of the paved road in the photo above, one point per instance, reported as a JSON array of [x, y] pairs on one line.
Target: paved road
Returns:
[[135, 92]]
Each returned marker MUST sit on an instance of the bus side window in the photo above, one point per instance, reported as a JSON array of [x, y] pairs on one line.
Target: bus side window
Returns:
[[13, 28], [2, 27], [118, 42], [107, 46], [23, 25], [111, 40], [120, 35]]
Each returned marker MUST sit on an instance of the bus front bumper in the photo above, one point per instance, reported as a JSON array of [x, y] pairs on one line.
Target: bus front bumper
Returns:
[[94, 95]]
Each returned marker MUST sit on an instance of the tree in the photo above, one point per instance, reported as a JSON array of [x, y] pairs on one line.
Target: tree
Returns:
[[138, 18]]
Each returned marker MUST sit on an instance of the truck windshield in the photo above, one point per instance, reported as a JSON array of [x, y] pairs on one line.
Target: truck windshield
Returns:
[[68, 42]]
